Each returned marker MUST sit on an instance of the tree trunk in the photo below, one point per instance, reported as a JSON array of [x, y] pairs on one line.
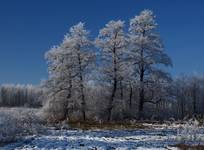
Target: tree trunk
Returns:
[[83, 99], [83, 103], [121, 90], [130, 96], [141, 76], [141, 103], [69, 95], [182, 108], [141, 90], [110, 106], [70, 87], [194, 99]]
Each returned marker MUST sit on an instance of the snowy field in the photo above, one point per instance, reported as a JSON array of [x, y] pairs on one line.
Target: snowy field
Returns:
[[19, 124], [103, 140]]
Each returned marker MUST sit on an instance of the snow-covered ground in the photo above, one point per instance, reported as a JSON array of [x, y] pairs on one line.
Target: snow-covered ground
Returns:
[[102, 140]]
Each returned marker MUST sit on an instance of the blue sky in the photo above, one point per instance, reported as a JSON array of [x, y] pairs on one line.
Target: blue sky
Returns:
[[28, 28]]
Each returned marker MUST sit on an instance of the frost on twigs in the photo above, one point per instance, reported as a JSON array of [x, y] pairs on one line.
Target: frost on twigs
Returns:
[[69, 64], [17, 122]]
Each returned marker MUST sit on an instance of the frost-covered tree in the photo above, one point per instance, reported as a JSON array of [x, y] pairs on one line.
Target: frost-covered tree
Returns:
[[112, 41], [84, 58], [58, 86], [68, 64], [147, 52]]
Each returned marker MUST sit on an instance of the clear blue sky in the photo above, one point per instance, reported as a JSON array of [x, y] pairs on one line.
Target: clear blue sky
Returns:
[[28, 28]]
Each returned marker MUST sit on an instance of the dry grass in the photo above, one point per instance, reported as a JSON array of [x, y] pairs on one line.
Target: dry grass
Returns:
[[107, 125], [189, 147]]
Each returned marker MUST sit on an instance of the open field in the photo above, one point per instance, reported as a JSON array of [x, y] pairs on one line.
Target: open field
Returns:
[[101, 140], [148, 137]]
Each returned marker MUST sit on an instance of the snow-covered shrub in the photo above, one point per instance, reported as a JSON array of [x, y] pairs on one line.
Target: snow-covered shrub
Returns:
[[16, 122], [189, 132], [54, 109]]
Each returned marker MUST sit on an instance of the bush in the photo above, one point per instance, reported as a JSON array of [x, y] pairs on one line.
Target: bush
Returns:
[[189, 132], [18, 122]]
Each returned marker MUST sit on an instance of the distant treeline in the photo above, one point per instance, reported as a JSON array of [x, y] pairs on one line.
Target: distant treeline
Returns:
[[20, 95]]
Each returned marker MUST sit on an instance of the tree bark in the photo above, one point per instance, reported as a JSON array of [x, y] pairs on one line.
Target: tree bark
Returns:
[[110, 106], [194, 99], [141, 89], [130, 96], [141, 76], [83, 102], [121, 90], [69, 95]]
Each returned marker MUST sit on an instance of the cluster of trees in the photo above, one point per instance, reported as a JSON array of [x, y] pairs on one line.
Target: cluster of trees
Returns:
[[20, 95], [111, 77], [189, 96], [119, 75]]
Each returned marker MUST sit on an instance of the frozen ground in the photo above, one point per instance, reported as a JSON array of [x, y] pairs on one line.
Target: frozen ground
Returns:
[[102, 140]]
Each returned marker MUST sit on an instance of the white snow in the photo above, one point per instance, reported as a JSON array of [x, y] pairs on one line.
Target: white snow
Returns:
[[138, 139]]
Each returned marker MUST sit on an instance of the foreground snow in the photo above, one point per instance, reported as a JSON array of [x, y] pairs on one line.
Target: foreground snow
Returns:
[[102, 140]]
